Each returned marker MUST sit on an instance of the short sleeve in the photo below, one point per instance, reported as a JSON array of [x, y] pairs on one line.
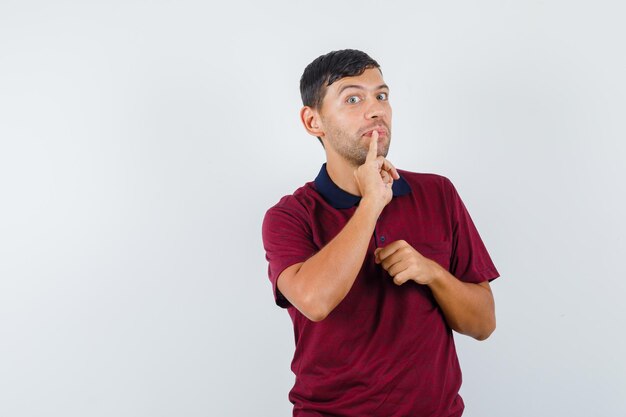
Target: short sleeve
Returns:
[[287, 240], [470, 261]]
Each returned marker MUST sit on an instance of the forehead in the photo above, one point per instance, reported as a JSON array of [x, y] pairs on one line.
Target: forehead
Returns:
[[370, 79]]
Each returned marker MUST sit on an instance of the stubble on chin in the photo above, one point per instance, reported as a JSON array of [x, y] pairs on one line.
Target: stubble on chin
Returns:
[[354, 149], [361, 152]]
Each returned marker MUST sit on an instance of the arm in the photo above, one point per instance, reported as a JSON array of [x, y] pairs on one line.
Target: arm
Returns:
[[468, 308], [317, 286]]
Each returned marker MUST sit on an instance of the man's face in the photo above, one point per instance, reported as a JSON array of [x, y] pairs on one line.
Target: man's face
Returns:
[[351, 110]]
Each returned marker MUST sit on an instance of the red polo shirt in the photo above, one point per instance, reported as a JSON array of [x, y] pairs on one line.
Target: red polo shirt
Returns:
[[385, 350]]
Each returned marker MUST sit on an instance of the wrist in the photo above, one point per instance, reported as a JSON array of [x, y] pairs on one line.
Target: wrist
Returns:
[[372, 205], [438, 274]]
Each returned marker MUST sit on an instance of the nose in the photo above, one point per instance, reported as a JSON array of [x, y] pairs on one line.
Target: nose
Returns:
[[376, 109]]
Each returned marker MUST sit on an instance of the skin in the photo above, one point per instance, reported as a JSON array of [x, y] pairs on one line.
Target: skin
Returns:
[[354, 123]]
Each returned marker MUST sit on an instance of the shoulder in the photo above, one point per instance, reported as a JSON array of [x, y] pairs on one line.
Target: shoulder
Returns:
[[426, 181], [296, 206], [431, 190], [300, 199]]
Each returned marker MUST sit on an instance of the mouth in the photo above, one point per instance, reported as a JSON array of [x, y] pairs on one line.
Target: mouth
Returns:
[[381, 131]]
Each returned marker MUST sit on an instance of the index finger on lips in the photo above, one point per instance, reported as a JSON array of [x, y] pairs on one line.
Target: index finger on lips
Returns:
[[373, 151]]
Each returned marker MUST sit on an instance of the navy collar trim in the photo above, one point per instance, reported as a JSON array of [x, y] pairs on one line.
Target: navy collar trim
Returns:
[[341, 199]]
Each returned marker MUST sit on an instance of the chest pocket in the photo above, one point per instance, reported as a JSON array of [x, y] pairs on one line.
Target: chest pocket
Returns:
[[439, 252]]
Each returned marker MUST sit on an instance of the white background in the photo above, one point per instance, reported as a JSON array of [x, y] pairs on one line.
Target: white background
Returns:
[[142, 142]]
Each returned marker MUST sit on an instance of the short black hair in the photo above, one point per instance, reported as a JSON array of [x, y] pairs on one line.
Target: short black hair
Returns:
[[326, 69]]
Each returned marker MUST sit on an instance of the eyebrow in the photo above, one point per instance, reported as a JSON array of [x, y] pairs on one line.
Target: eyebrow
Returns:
[[345, 87]]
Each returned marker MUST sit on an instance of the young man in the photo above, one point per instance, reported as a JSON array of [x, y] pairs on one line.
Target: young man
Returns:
[[375, 265]]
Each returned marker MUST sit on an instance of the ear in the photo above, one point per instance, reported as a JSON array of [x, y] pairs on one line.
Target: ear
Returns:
[[311, 121]]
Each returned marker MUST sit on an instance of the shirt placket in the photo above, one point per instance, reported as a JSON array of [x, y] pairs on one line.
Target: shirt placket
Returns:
[[380, 233]]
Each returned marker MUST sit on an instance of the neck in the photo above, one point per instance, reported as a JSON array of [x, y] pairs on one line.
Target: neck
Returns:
[[342, 174]]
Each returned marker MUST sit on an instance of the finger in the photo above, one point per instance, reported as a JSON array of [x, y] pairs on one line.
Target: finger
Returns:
[[386, 177], [388, 166], [390, 249], [396, 268], [376, 258], [401, 277], [373, 151], [394, 263], [384, 164]]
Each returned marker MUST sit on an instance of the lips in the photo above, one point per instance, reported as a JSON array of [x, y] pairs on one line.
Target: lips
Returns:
[[381, 131]]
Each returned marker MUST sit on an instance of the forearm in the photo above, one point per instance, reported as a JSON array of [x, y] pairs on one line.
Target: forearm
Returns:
[[326, 278], [468, 308]]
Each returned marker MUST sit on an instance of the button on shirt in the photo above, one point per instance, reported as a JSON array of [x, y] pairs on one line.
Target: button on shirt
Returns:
[[385, 350]]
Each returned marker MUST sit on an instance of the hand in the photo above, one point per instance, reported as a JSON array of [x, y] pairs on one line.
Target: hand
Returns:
[[404, 263], [375, 177]]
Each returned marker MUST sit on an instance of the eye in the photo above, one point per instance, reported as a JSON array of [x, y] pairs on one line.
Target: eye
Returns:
[[382, 96], [353, 99]]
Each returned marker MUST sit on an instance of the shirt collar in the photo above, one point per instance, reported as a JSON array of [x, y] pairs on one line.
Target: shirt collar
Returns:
[[341, 199]]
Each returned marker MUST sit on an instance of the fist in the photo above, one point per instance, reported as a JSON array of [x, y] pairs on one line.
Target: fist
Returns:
[[404, 263]]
